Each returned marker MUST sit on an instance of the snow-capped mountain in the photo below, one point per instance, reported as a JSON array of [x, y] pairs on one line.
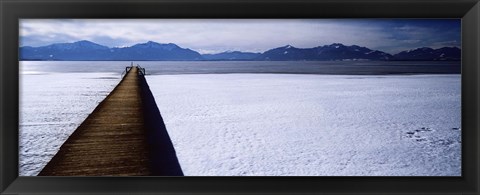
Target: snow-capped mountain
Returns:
[[429, 54], [334, 51], [231, 55]]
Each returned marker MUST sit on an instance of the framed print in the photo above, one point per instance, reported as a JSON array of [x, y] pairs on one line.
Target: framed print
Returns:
[[239, 97]]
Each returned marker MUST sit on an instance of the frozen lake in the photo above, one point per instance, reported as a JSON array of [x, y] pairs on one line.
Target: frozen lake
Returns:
[[52, 106], [315, 125], [262, 124]]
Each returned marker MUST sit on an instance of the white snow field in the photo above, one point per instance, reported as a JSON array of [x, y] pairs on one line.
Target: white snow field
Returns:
[[312, 125], [52, 106]]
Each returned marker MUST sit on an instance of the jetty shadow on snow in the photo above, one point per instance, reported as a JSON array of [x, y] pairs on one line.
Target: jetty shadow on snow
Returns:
[[163, 157]]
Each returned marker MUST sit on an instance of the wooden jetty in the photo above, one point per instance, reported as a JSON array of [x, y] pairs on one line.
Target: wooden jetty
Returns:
[[118, 138]]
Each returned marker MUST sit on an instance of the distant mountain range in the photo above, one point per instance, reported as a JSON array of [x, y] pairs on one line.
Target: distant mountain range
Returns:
[[444, 53], [86, 50]]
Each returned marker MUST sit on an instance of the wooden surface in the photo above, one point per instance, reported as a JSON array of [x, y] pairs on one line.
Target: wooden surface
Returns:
[[111, 141]]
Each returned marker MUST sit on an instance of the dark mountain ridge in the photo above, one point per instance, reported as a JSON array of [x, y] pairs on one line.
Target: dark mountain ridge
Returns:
[[86, 50], [153, 51], [426, 53], [232, 55], [334, 51]]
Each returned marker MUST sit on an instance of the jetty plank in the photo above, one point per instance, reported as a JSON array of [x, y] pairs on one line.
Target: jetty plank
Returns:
[[111, 141]]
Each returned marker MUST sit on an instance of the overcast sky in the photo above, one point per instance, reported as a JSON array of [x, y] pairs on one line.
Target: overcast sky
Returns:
[[254, 35]]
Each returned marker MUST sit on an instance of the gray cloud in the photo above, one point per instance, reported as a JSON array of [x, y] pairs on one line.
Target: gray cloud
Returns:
[[216, 35]]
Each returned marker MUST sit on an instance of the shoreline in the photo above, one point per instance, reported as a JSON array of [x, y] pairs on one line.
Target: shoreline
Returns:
[[332, 74], [254, 67]]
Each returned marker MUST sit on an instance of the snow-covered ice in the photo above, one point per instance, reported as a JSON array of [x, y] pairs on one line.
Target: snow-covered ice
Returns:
[[315, 125], [267, 124], [52, 106]]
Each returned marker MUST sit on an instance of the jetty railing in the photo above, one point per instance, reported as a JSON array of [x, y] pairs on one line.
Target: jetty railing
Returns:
[[141, 71]]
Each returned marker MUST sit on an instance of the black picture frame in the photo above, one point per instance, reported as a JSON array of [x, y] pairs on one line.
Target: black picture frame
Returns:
[[13, 10]]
